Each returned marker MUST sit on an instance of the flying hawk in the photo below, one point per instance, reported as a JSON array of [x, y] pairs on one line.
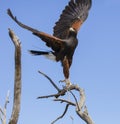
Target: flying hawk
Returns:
[[64, 40]]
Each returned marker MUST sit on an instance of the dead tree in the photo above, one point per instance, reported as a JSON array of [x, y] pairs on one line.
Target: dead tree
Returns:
[[17, 85], [17, 80], [80, 107]]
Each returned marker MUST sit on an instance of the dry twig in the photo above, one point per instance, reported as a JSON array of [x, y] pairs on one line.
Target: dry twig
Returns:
[[66, 108], [51, 81], [3, 111]]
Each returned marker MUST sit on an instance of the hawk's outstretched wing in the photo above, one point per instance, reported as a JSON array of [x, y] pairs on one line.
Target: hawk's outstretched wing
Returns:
[[51, 41], [74, 14]]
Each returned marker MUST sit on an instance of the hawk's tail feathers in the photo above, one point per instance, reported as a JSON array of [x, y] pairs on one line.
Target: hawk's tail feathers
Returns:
[[49, 55]]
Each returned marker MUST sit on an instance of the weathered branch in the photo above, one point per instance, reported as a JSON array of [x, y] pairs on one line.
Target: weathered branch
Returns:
[[51, 81], [17, 80], [3, 111], [83, 114], [48, 96], [61, 92], [81, 109], [66, 101], [1, 119], [66, 108], [75, 99], [1, 115], [7, 100]]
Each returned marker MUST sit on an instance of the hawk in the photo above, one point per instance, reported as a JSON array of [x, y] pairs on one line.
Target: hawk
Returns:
[[64, 40]]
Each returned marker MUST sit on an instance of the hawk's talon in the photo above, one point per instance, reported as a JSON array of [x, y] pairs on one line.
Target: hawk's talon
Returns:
[[61, 81], [66, 81]]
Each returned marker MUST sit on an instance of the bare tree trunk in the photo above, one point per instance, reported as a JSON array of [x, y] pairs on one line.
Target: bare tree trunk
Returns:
[[17, 80]]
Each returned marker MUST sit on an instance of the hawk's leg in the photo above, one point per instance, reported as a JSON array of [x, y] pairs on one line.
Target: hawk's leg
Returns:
[[67, 82], [66, 67]]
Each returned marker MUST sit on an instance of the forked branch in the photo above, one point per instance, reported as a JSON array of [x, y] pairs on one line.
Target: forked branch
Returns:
[[79, 105]]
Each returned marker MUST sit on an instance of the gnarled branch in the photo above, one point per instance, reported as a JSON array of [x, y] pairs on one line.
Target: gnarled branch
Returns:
[[81, 109]]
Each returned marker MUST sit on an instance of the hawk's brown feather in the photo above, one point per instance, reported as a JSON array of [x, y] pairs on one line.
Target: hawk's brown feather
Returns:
[[74, 11]]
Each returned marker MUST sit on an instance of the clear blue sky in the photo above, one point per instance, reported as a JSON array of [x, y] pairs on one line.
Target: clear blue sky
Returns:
[[96, 64]]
